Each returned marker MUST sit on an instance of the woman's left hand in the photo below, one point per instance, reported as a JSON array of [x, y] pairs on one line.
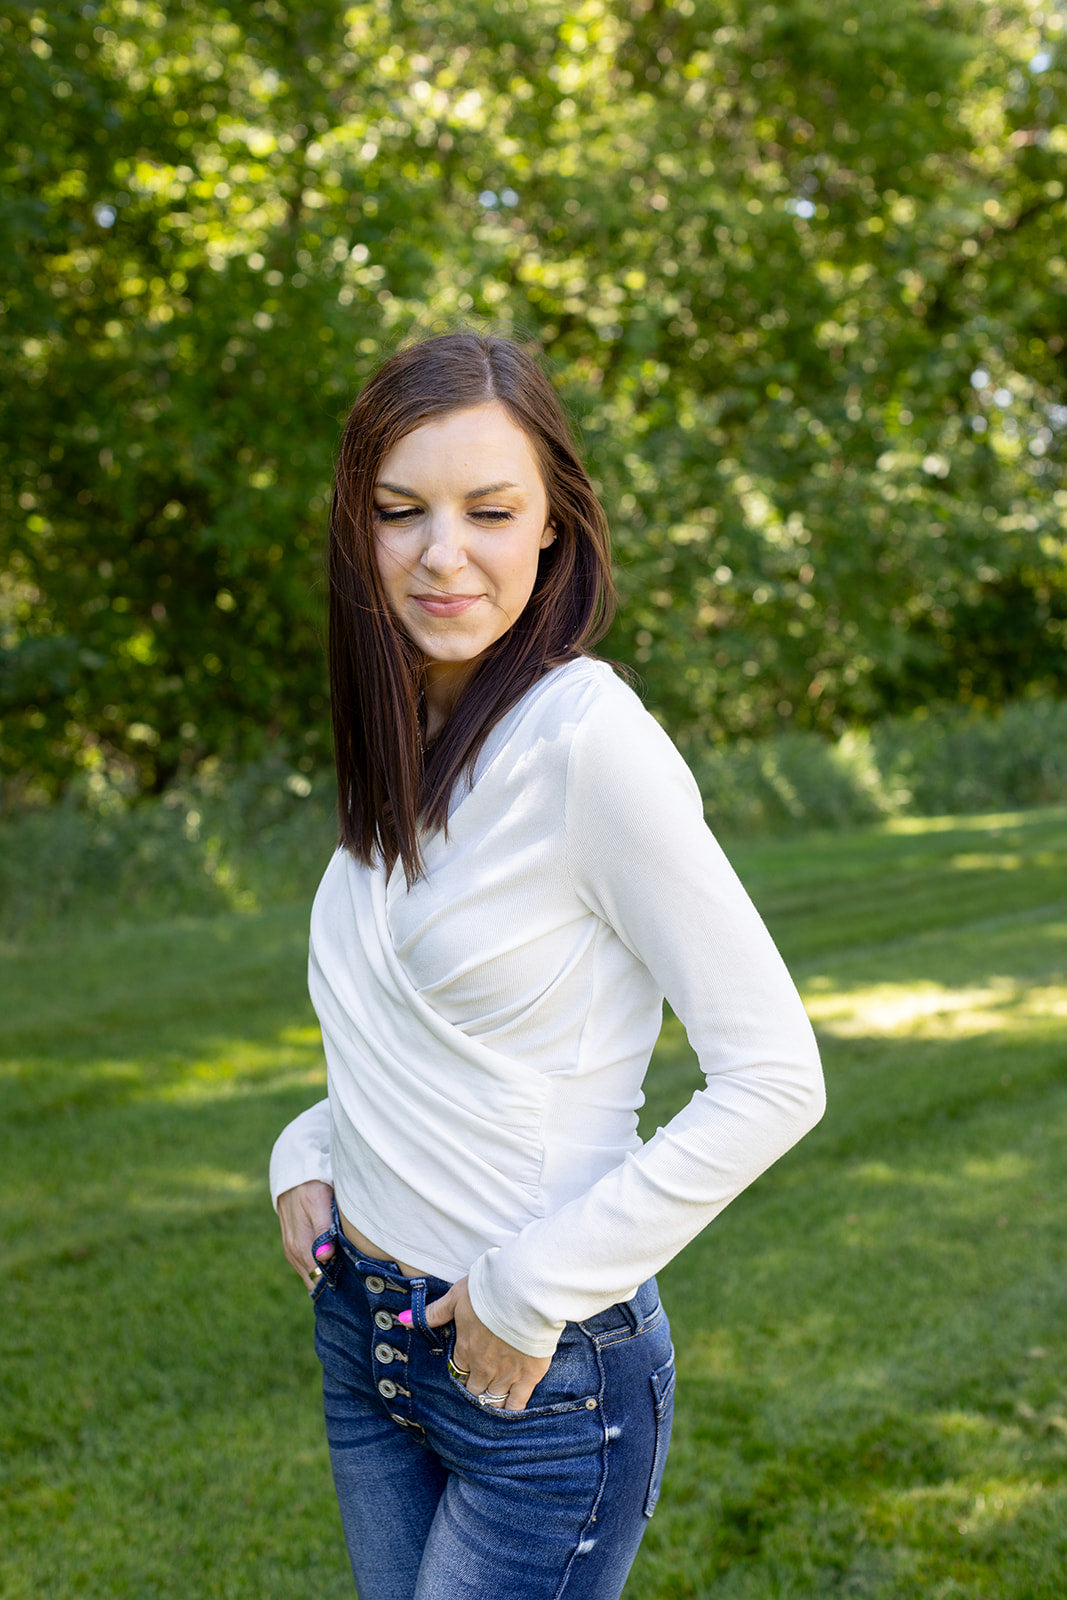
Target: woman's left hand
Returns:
[[495, 1368]]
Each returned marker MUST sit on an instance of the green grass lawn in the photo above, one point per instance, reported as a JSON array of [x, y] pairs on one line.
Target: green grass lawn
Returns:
[[872, 1342]]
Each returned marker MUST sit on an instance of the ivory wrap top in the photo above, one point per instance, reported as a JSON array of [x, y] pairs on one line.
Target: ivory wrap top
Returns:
[[487, 1032]]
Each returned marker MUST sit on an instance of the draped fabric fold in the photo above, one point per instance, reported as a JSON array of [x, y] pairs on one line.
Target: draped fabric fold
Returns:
[[441, 1103]]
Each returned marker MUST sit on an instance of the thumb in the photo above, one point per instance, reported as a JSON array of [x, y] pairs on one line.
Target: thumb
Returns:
[[322, 1249], [438, 1312]]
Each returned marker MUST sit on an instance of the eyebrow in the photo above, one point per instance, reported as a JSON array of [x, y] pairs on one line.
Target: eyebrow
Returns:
[[475, 494]]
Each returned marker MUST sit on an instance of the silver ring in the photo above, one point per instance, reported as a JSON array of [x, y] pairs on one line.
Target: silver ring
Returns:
[[487, 1399]]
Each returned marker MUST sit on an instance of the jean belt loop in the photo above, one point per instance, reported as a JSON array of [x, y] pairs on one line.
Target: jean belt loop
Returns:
[[418, 1317], [330, 1268], [324, 1238]]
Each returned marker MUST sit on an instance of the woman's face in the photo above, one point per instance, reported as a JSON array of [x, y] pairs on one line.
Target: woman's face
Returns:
[[461, 517]]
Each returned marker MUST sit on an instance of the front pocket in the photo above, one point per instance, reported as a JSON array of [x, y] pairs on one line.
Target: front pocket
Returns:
[[662, 1381], [573, 1380]]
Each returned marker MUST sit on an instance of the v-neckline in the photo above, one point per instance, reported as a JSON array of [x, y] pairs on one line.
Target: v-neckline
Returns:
[[497, 741]]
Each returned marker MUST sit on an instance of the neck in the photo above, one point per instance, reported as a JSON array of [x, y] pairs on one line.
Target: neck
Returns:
[[443, 684]]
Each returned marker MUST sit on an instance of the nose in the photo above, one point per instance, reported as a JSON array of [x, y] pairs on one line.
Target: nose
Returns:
[[445, 552]]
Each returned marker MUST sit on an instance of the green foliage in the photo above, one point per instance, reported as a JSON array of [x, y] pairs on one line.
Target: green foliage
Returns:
[[800, 269], [871, 1342], [261, 835], [222, 841], [958, 759]]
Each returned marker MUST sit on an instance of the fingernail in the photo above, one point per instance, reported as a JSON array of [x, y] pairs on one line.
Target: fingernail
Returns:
[[325, 1249], [405, 1317]]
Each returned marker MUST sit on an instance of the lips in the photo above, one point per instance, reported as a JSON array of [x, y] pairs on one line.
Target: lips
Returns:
[[446, 605]]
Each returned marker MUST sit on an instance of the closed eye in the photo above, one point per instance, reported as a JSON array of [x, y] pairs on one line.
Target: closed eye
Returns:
[[490, 516], [395, 513]]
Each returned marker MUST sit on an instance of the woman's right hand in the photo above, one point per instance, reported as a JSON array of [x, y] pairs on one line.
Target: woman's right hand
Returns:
[[304, 1213]]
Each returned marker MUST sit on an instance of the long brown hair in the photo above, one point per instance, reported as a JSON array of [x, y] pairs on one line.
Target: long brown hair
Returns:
[[388, 786]]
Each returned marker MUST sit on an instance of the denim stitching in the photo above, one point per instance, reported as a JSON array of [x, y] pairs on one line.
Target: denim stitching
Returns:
[[604, 1341], [418, 1316], [560, 1409], [662, 1381], [604, 1442]]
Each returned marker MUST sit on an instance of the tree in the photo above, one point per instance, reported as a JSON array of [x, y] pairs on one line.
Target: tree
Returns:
[[800, 270]]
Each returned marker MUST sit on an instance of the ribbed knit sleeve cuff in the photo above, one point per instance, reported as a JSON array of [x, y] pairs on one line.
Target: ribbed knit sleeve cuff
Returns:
[[518, 1325], [301, 1152]]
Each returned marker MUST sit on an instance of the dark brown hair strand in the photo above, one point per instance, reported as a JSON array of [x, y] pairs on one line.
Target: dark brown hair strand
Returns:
[[388, 787]]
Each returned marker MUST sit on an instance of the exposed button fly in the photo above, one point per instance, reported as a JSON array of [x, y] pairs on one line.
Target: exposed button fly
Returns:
[[387, 1388], [384, 1320], [375, 1284], [385, 1353]]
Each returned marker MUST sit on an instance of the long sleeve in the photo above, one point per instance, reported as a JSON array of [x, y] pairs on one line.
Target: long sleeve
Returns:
[[642, 859], [302, 1151]]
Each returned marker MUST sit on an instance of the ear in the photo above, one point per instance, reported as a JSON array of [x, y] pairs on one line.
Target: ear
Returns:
[[549, 535]]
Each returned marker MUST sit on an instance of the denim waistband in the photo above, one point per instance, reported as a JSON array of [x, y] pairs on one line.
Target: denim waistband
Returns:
[[375, 1265], [629, 1314]]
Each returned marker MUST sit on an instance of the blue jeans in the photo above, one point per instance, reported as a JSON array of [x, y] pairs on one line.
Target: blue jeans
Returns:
[[443, 1499]]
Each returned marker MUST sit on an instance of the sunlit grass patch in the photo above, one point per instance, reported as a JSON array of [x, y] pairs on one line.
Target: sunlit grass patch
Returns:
[[237, 1066], [989, 824], [937, 1011]]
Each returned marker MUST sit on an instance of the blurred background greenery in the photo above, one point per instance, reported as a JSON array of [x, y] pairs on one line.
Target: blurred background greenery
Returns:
[[799, 269]]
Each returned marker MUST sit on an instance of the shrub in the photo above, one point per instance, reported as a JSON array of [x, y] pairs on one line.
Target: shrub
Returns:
[[958, 760], [263, 834], [225, 840]]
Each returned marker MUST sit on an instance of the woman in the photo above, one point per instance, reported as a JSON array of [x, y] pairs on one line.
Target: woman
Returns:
[[524, 874]]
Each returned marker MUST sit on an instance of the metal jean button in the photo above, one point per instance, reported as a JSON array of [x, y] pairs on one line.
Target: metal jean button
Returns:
[[387, 1388], [384, 1320], [384, 1353], [375, 1284]]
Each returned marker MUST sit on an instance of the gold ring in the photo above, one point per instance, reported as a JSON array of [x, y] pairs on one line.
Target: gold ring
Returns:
[[457, 1372], [316, 1274]]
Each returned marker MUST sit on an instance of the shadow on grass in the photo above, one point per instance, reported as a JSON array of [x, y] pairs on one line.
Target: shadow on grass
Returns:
[[204, 1001]]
